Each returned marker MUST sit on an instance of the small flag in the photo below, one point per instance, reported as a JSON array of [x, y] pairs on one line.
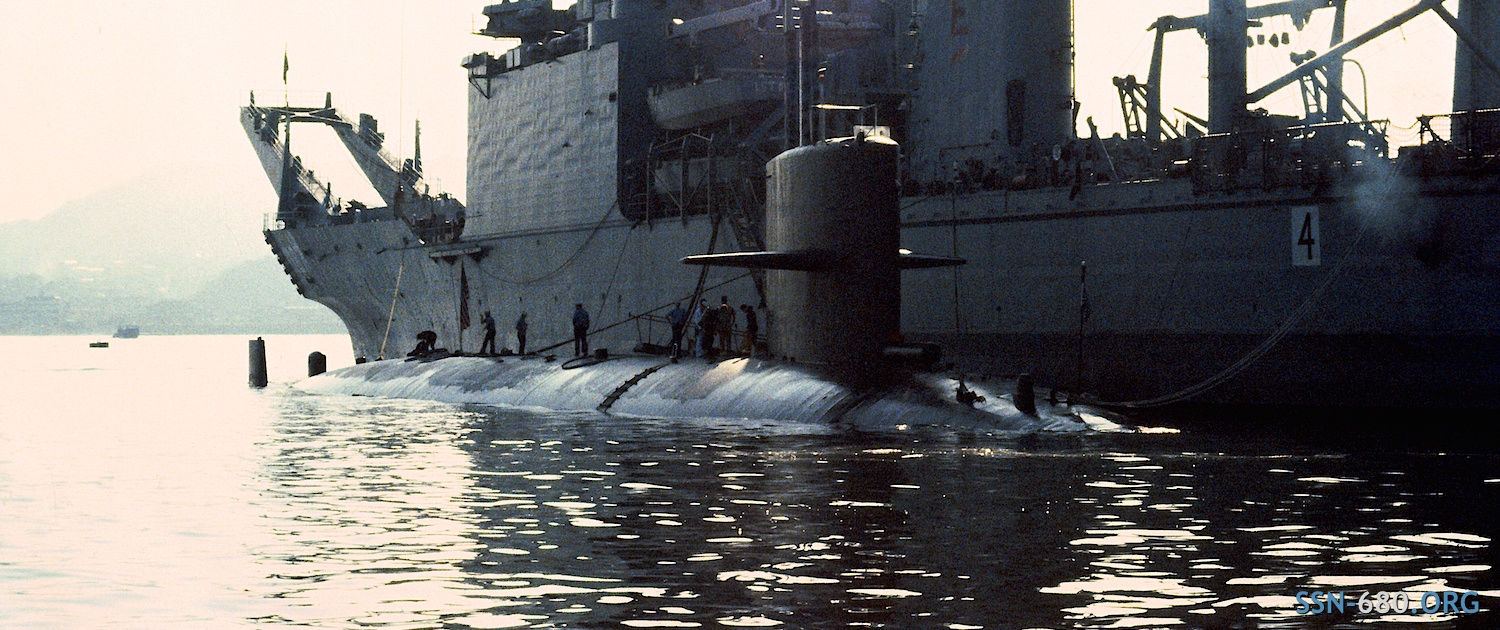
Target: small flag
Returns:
[[463, 298], [286, 65]]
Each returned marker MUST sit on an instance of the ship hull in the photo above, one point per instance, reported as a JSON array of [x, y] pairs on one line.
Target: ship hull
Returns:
[[1399, 307], [386, 286], [1363, 370], [1214, 297]]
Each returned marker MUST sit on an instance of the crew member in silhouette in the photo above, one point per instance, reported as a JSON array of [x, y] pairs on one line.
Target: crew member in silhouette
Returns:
[[752, 329], [678, 319], [699, 312], [489, 334], [708, 328], [580, 331], [521, 334], [426, 344], [725, 320]]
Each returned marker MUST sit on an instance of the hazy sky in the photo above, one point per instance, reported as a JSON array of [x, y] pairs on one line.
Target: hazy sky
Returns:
[[95, 93]]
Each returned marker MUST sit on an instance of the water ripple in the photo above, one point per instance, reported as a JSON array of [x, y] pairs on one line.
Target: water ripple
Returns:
[[278, 509]]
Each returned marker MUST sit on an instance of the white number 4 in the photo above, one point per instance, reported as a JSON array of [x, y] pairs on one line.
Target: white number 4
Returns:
[[1306, 242]]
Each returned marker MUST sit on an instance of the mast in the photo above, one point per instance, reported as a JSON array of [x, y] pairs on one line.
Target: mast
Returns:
[[791, 92], [416, 152], [799, 20], [1475, 84], [1227, 30], [1335, 69], [1153, 85]]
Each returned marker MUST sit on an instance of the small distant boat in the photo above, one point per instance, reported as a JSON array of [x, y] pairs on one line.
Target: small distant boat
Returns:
[[126, 332], [99, 344]]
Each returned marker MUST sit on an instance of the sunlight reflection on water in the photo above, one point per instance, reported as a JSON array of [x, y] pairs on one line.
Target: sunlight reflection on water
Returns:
[[162, 492]]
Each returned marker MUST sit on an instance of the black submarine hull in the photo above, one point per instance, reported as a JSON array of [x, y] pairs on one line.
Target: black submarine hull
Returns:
[[740, 388]]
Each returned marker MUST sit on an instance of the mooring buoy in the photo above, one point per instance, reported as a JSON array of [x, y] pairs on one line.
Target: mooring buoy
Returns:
[[258, 362]]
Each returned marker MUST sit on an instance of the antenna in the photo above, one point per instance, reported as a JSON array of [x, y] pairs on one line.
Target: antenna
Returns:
[[416, 154]]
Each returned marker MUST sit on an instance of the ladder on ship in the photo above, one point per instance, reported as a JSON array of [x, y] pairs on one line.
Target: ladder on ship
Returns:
[[745, 229], [735, 200], [743, 215]]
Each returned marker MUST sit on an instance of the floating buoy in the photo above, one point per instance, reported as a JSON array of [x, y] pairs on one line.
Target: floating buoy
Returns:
[[258, 362]]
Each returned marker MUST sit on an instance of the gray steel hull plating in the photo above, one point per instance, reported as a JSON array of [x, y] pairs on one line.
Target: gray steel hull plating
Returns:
[[1402, 307], [732, 389]]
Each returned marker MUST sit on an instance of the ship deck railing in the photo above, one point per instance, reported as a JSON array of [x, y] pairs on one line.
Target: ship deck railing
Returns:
[[650, 333], [1306, 155], [341, 215], [1473, 134]]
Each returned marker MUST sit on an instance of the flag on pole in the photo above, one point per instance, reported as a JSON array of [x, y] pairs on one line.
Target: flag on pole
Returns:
[[286, 65], [463, 298]]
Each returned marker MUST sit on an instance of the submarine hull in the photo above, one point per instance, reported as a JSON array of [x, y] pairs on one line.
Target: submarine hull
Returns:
[[650, 386]]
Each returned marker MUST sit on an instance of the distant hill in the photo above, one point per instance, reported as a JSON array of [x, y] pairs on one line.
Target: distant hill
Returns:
[[174, 252], [166, 233], [254, 297]]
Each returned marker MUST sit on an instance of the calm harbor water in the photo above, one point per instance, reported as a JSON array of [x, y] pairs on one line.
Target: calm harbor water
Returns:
[[145, 485]]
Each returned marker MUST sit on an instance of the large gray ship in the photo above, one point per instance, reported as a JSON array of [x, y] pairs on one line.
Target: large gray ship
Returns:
[[1235, 257]]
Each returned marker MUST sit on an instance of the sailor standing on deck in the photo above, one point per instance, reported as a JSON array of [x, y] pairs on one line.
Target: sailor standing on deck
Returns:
[[521, 334], [698, 313], [489, 334], [709, 327], [725, 320], [580, 331], [752, 329], [678, 319]]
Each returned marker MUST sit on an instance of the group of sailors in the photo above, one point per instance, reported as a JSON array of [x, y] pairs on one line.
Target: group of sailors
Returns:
[[714, 332], [714, 324], [488, 346], [427, 340]]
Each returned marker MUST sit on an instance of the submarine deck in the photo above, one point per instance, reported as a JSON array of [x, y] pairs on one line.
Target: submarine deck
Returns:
[[653, 386]]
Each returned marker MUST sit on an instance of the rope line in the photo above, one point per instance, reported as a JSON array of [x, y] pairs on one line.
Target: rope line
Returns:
[[604, 297], [566, 263], [641, 315], [392, 316], [1275, 337]]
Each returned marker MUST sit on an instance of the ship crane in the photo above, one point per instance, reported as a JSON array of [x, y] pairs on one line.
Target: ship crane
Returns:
[[1475, 46], [365, 143], [1141, 102], [304, 199], [1321, 75], [299, 190]]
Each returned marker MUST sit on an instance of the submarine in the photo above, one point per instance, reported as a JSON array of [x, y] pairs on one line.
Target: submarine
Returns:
[[832, 268]]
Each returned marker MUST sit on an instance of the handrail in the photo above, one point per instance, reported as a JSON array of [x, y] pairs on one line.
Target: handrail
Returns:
[[635, 317]]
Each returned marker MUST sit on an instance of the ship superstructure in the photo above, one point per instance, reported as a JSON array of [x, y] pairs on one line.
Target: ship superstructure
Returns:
[[1235, 257]]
